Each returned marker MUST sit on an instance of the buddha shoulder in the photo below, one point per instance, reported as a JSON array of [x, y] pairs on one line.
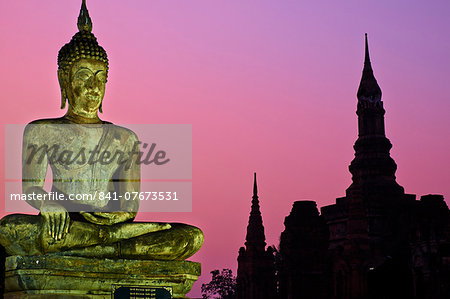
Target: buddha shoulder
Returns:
[[122, 135], [43, 128], [48, 129]]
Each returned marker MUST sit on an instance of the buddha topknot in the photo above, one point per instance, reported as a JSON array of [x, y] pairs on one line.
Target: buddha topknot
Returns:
[[82, 45]]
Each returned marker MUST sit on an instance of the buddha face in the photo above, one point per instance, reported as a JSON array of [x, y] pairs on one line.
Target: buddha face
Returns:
[[84, 86]]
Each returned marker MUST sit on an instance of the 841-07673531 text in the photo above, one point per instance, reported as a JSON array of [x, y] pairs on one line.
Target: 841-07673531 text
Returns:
[[56, 196]]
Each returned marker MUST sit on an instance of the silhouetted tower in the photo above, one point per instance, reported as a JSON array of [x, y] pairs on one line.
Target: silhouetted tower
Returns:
[[372, 169], [368, 231], [256, 271]]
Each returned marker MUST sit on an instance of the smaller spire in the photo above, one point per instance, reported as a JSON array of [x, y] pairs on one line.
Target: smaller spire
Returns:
[[368, 88], [255, 238], [84, 21], [255, 187]]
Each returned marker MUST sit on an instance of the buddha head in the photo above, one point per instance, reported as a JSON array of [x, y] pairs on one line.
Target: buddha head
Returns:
[[83, 70]]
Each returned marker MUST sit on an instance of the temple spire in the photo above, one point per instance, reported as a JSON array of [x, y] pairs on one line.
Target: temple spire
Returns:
[[256, 265], [255, 187], [367, 57], [368, 88], [372, 169], [255, 238]]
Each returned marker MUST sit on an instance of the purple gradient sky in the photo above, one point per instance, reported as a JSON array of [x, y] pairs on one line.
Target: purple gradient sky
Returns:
[[269, 86]]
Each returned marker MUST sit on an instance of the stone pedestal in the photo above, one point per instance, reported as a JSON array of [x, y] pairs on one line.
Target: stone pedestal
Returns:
[[55, 276]]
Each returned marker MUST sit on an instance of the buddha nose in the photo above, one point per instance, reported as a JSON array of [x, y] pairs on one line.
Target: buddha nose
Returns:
[[94, 84]]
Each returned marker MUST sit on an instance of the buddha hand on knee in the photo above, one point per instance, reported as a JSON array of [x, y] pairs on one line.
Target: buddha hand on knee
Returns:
[[57, 220]]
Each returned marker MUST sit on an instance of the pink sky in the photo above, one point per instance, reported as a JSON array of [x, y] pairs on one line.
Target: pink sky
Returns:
[[268, 86]]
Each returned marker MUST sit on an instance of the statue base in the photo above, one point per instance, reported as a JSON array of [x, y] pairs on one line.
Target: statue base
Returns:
[[57, 276]]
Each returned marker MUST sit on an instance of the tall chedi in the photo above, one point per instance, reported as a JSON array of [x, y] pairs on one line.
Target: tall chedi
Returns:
[[365, 227], [256, 269], [372, 169]]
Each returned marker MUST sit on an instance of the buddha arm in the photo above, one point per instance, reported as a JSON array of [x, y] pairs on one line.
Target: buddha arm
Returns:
[[34, 169], [130, 182], [34, 164], [131, 179]]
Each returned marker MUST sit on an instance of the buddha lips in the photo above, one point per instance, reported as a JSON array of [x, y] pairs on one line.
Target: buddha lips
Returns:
[[104, 157]]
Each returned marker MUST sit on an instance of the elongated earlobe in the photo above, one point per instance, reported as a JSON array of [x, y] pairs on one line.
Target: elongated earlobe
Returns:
[[63, 98], [62, 87]]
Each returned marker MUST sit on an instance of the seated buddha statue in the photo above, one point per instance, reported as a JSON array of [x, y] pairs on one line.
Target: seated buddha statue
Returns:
[[96, 228]]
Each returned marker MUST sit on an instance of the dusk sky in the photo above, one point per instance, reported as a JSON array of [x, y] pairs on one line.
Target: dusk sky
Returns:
[[268, 86]]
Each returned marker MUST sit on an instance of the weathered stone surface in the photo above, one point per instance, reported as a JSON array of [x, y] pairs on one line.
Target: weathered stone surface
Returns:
[[55, 276]]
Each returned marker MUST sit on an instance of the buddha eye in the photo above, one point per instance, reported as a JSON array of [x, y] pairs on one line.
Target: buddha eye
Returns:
[[84, 75], [101, 77]]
